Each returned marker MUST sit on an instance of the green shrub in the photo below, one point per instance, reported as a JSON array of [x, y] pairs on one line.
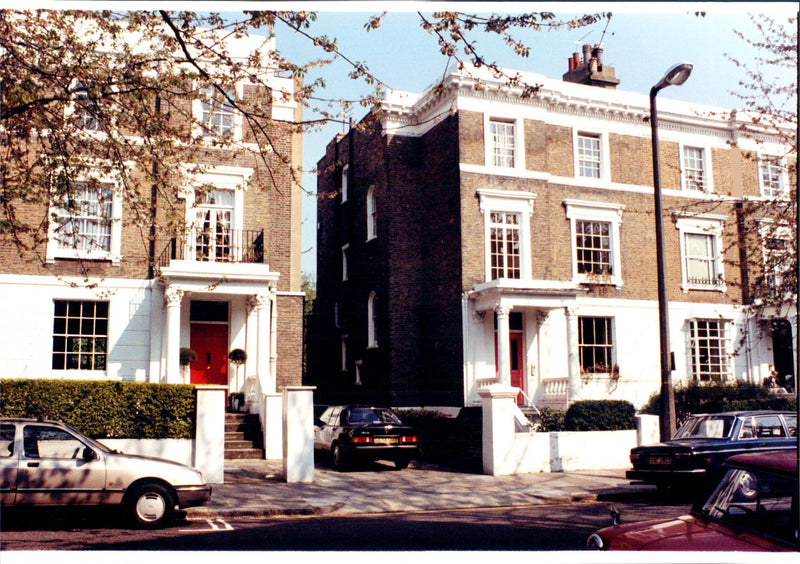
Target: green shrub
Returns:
[[552, 420], [600, 415], [717, 398], [102, 409]]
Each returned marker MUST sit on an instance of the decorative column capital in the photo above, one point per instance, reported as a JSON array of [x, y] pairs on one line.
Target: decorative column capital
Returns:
[[173, 296], [502, 311], [571, 311], [258, 301]]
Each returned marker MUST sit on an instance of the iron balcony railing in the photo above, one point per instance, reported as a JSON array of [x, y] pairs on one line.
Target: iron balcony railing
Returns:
[[220, 245]]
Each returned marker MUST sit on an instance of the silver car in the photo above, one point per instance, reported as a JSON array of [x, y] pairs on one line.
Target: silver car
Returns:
[[50, 463]]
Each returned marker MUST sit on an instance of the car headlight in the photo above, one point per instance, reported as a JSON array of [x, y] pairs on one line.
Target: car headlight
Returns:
[[595, 542]]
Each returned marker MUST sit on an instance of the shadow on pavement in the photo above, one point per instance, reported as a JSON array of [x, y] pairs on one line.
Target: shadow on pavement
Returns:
[[69, 518]]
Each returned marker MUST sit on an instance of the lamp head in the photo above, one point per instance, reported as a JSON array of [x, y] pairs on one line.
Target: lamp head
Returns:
[[675, 76]]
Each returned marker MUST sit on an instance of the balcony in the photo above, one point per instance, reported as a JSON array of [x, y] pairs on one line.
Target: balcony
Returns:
[[216, 256]]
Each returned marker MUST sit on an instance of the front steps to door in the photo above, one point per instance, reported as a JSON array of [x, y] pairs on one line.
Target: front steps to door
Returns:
[[243, 436]]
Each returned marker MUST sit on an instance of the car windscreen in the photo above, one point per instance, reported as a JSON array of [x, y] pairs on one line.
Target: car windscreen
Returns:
[[706, 427], [371, 416], [756, 501]]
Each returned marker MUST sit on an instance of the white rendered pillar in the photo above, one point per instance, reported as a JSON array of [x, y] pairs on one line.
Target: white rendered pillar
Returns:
[[573, 361], [499, 403], [172, 302], [298, 433], [261, 303], [503, 346], [209, 455]]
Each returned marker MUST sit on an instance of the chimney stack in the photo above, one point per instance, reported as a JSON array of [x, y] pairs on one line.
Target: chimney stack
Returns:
[[590, 70]]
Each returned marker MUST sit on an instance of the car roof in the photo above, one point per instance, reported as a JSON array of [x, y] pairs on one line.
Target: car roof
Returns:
[[778, 461], [27, 420]]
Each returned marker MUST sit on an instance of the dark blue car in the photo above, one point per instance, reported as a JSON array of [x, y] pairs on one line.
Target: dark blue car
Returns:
[[695, 454]]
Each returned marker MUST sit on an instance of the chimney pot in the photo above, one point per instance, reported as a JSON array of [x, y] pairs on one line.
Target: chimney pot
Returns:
[[587, 50], [570, 64], [576, 60]]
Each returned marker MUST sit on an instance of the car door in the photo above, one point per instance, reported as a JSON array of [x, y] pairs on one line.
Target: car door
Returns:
[[769, 431], [9, 462], [53, 471]]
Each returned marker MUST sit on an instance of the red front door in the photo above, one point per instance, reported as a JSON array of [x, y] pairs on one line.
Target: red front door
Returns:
[[210, 342], [517, 368]]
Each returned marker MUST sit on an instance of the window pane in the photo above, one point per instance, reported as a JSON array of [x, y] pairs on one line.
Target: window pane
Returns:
[[81, 333]]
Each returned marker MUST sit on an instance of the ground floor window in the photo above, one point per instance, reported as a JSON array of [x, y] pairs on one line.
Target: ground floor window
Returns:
[[596, 345], [80, 335], [709, 343]]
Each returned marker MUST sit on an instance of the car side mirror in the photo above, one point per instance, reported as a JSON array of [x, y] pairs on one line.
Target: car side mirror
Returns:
[[89, 454]]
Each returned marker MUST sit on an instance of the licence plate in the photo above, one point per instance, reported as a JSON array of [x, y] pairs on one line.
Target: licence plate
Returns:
[[385, 440], [661, 460]]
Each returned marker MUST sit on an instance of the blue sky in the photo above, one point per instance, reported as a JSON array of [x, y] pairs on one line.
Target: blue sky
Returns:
[[641, 41]]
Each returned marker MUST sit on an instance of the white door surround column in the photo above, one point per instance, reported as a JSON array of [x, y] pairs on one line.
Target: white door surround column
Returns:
[[503, 345], [261, 304], [573, 360], [172, 304]]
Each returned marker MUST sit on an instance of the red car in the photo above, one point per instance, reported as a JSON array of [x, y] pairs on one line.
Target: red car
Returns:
[[754, 508]]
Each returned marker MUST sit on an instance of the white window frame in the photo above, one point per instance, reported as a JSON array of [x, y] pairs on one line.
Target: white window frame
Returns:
[[344, 352], [517, 145], [579, 210], [345, 182], [507, 202], [708, 177], [768, 230], [372, 214], [345, 262], [782, 177], [200, 130], [610, 345], [372, 333], [694, 341], [114, 254], [603, 161], [709, 225], [227, 178]]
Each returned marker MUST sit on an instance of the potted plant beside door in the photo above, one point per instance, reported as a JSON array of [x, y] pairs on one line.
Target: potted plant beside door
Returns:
[[187, 356], [236, 400]]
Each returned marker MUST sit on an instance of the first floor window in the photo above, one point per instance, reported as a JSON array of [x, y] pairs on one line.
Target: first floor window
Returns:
[[593, 247], [504, 245], [80, 335], [595, 345], [771, 178], [218, 113], [501, 135], [694, 169], [709, 343], [372, 334], [589, 155], [83, 218], [701, 260]]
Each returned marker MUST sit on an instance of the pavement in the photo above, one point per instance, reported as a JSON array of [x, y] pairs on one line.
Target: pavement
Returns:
[[257, 489]]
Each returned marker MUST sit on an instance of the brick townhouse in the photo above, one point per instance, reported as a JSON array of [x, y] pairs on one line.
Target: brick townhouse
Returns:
[[107, 302], [471, 234]]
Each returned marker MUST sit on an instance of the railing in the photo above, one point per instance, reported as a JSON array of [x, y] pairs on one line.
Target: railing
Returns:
[[222, 245], [703, 281]]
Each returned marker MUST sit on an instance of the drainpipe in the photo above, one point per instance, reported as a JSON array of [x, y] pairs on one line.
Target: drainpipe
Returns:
[[273, 338]]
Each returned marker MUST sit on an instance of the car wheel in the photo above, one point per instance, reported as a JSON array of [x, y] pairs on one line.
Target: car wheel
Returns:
[[338, 457], [149, 506], [401, 463]]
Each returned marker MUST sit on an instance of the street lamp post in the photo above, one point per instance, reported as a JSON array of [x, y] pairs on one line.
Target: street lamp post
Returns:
[[676, 76]]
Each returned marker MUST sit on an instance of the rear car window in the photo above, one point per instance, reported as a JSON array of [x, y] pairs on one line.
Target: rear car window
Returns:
[[706, 427]]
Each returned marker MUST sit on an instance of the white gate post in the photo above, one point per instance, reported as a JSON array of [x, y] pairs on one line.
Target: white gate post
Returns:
[[298, 433], [499, 404], [209, 443]]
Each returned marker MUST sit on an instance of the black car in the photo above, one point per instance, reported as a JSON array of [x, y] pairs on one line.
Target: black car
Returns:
[[695, 454], [351, 433]]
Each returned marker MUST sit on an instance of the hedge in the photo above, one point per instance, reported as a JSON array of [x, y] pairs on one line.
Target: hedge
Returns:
[[102, 409], [600, 415], [717, 398]]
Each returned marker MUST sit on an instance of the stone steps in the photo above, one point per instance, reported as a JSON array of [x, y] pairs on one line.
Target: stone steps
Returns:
[[243, 437]]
